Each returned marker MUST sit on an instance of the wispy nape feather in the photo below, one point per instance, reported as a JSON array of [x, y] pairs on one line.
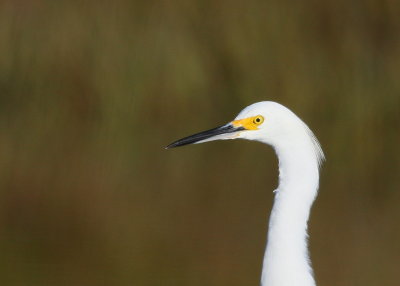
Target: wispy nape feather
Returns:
[[319, 154]]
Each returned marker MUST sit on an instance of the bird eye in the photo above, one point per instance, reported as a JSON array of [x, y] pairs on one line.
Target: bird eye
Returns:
[[258, 120]]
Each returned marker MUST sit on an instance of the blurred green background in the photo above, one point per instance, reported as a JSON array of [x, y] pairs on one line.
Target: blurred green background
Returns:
[[92, 91]]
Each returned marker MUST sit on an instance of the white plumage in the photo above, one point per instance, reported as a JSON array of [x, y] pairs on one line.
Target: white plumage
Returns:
[[286, 259]]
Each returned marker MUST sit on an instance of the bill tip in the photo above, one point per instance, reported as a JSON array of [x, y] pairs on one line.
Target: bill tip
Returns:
[[169, 146]]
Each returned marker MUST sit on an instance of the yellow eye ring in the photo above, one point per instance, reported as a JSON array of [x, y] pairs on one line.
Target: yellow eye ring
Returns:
[[258, 120]]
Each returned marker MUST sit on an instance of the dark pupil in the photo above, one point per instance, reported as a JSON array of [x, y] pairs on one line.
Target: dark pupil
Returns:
[[257, 119]]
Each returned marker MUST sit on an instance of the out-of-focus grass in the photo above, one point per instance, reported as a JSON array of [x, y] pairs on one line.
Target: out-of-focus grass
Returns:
[[91, 92]]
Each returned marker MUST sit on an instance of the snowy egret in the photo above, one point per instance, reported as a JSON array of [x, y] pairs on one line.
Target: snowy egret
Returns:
[[286, 260]]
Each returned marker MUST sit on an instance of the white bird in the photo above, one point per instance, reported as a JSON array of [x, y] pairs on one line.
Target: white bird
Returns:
[[286, 258]]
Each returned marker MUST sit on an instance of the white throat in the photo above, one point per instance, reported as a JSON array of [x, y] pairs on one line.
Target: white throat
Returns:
[[286, 260]]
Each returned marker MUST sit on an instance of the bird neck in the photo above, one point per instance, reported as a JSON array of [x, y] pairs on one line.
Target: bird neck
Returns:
[[286, 260]]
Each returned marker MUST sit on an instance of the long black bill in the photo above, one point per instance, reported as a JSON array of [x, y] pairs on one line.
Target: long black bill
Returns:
[[229, 128]]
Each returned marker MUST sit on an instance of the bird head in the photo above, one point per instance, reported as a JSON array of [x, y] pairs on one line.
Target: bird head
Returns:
[[265, 121]]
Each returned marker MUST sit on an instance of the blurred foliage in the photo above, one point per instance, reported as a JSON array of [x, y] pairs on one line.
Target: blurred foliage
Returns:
[[91, 92]]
